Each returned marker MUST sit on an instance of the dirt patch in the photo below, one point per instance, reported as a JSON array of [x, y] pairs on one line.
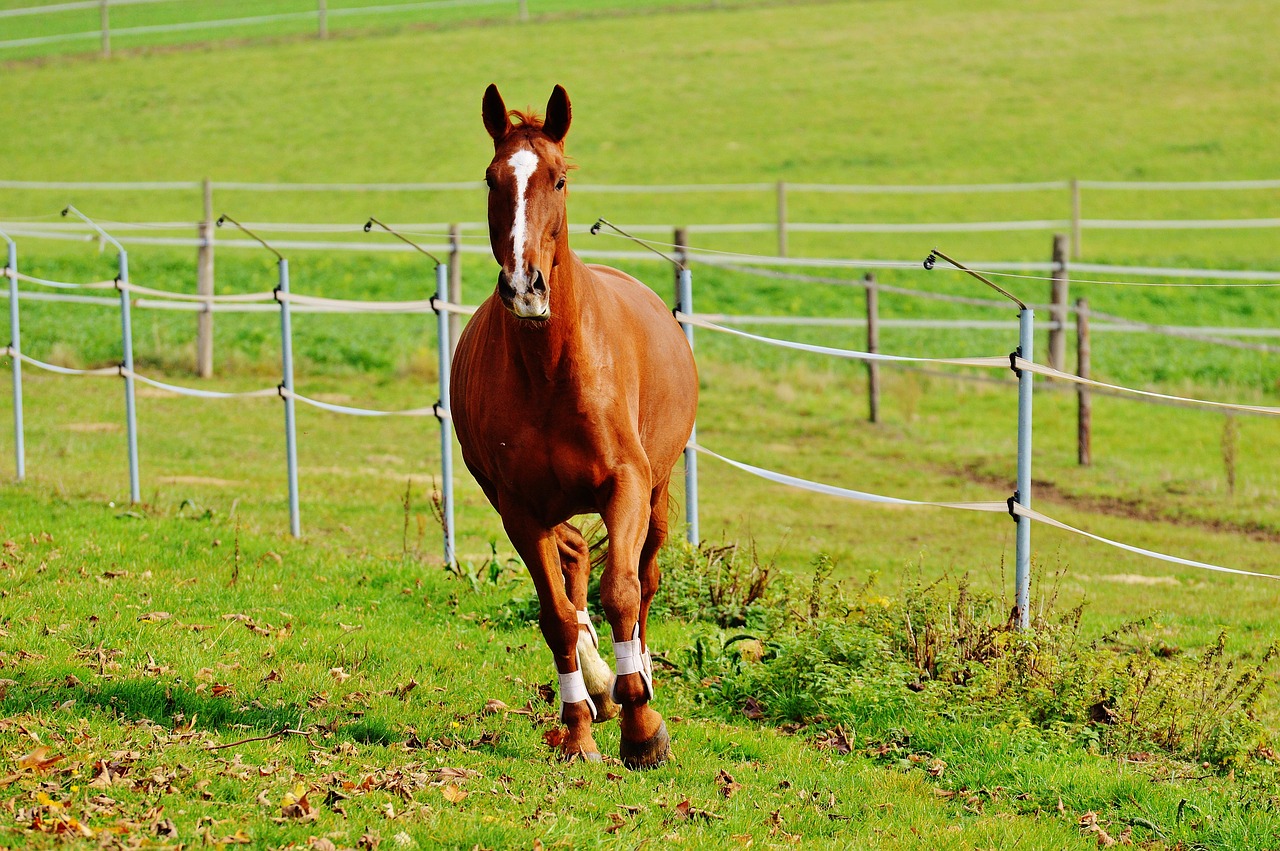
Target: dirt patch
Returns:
[[92, 427], [1138, 579], [196, 480], [1115, 506]]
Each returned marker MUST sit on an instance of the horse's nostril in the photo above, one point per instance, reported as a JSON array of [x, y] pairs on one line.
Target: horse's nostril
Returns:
[[504, 284], [539, 282]]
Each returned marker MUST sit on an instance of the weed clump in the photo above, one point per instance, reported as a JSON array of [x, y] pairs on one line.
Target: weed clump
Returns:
[[851, 657]]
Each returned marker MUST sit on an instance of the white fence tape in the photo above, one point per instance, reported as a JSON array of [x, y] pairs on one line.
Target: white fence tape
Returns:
[[62, 370], [1041, 369], [987, 507], [850, 354], [201, 394], [433, 411]]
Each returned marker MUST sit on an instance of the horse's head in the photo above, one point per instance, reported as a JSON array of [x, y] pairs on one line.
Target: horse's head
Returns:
[[527, 217]]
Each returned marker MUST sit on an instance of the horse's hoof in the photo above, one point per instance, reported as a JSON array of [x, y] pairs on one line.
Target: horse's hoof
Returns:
[[606, 709], [641, 755], [583, 756]]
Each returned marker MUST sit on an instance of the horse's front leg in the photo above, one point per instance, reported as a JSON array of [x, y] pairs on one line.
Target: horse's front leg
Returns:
[[558, 618], [575, 563], [645, 742]]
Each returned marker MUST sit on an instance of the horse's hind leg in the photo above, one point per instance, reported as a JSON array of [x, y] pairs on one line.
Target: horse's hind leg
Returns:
[[575, 564], [539, 548], [637, 527]]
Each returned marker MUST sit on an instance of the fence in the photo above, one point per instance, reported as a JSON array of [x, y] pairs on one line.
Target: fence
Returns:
[[1020, 361], [1074, 223], [319, 15]]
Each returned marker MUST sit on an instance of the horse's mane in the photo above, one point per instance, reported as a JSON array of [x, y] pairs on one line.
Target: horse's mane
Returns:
[[526, 118]]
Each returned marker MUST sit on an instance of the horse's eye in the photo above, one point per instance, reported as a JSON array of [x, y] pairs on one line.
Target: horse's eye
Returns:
[[560, 184]]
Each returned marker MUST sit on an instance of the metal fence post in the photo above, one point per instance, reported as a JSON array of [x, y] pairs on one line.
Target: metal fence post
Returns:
[[15, 345], [1022, 575], [455, 283], [126, 345], [130, 411], [204, 286], [442, 411], [690, 455], [286, 368], [873, 346]]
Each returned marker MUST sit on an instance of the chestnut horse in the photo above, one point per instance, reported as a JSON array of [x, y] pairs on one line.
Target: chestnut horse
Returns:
[[574, 392]]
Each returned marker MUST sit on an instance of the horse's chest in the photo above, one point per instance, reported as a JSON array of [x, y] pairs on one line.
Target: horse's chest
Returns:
[[532, 447]]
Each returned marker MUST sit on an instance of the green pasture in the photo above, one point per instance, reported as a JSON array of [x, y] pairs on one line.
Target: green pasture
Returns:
[[347, 616], [852, 93]]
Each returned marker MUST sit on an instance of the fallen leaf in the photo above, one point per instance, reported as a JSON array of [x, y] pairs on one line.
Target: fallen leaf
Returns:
[[555, 736], [753, 709], [39, 760], [153, 617], [493, 706], [834, 739], [339, 674], [685, 810], [453, 794], [727, 784]]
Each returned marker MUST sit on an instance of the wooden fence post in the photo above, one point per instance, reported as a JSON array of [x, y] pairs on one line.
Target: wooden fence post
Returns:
[[204, 286], [455, 282], [1075, 219], [524, 10], [1084, 401], [1058, 304], [104, 18], [873, 346], [782, 218], [322, 16]]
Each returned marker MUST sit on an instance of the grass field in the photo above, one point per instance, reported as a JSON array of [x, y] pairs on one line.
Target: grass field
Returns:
[[838, 92]]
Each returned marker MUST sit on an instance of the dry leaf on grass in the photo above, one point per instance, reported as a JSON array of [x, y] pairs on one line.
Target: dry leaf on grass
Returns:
[[39, 760], [727, 784]]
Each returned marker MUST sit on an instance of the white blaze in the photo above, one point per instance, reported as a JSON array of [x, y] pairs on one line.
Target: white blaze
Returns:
[[524, 163]]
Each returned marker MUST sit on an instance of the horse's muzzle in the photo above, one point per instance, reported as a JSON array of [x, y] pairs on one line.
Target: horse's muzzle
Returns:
[[526, 297]]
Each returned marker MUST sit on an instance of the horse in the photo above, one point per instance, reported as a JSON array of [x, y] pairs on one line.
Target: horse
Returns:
[[574, 392]]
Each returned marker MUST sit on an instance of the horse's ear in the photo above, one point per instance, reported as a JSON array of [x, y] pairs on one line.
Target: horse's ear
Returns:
[[495, 114], [559, 114]]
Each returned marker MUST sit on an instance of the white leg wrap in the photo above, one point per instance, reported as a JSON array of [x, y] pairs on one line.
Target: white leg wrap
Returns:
[[631, 658], [574, 690], [584, 618]]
